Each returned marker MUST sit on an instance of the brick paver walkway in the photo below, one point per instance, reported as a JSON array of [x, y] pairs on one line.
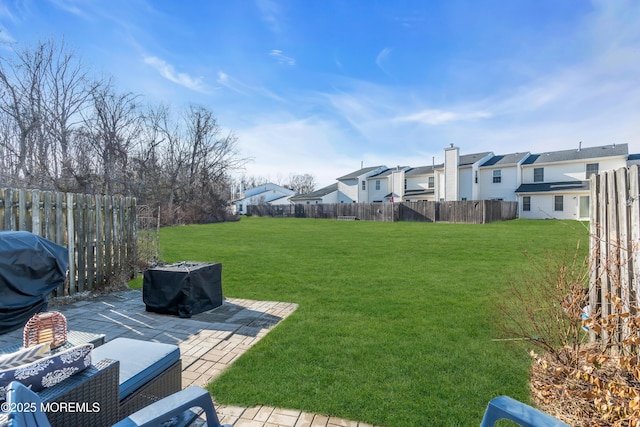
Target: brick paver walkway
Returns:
[[209, 342]]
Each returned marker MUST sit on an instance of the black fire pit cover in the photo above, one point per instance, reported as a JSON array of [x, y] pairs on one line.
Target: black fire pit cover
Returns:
[[183, 289]]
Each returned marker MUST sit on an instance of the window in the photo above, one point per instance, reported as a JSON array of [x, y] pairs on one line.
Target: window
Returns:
[[538, 174], [432, 182], [364, 185], [497, 176], [476, 177], [526, 203], [405, 183], [377, 184], [558, 204], [592, 169]]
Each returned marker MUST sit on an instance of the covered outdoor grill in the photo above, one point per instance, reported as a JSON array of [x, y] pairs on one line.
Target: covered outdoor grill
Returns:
[[183, 289], [31, 267]]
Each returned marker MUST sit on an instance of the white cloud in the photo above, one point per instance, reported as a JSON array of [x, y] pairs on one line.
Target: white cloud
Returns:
[[281, 144], [437, 117], [382, 58], [70, 7], [270, 12], [167, 71], [282, 58]]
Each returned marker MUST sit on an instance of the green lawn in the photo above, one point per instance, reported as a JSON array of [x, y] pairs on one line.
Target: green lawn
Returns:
[[395, 320]]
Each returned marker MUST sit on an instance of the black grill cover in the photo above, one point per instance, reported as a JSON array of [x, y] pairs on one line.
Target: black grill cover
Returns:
[[184, 289], [31, 267]]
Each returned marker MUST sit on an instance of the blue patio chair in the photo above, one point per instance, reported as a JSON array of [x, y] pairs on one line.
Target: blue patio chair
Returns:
[[25, 409], [504, 407]]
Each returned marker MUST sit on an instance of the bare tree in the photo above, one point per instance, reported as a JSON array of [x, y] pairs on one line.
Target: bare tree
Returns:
[[111, 127], [301, 184], [42, 91], [61, 129], [213, 155]]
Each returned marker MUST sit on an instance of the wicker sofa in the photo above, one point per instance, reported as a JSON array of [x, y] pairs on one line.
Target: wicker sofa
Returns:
[[127, 375], [96, 384]]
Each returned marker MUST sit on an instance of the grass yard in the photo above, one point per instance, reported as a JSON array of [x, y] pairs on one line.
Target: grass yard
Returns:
[[395, 320]]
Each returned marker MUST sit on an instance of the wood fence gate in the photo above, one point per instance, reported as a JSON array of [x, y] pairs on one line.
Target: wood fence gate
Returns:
[[615, 245], [98, 231]]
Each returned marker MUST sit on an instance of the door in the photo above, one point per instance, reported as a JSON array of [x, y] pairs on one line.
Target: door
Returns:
[[584, 207]]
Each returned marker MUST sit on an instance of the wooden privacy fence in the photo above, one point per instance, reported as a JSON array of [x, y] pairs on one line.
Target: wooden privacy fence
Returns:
[[99, 232], [471, 212], [614, 246]]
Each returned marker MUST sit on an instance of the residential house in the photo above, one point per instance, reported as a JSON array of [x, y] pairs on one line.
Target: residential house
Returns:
[[458, 179], [388, 185], [270, 193], [556, 184], [547, 185], [327, 194], [421, 183], [498, 177], [353, 188]]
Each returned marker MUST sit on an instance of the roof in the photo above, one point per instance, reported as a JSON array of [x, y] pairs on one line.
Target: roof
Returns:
[[385, 172], [422, 170], [356, 174], [469, 159], [279, 200], [419, 192], [388, 172], [547, 187], [318, 194], [633, 159], [578, 154], [505, 160]]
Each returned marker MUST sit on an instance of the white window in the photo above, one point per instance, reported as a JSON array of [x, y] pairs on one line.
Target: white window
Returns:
[[497, 176], [558, 203], [526, 203], [364, 184], [432, 182], [592, 169], [377, 184], [538, 174]]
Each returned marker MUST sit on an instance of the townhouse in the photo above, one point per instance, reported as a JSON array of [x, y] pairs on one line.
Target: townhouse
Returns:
[[545, 185]]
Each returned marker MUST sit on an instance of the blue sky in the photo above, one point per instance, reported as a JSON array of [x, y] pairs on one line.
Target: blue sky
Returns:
[[323, 86]]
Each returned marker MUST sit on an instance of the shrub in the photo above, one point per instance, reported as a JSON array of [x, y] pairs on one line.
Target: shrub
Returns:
[[582, 382]]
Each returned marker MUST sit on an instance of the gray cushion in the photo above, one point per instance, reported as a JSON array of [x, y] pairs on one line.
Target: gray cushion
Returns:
[[140, 361]]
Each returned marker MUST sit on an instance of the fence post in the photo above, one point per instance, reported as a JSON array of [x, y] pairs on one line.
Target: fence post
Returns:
[[71, 244]]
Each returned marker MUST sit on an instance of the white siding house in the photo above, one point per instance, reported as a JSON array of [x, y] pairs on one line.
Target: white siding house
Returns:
[[352, 188], [547, 185], [469, 165], [324, 195], [268, 193], [421, 183], [499, 177], [555, 184]]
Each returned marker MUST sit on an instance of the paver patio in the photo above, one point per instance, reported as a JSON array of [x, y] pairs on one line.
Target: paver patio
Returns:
[[209, 342]]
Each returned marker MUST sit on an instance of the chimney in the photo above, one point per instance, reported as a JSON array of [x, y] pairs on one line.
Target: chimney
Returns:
[[579, 145]]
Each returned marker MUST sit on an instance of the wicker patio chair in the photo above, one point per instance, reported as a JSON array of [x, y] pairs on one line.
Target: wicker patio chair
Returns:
[[176, 408]]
